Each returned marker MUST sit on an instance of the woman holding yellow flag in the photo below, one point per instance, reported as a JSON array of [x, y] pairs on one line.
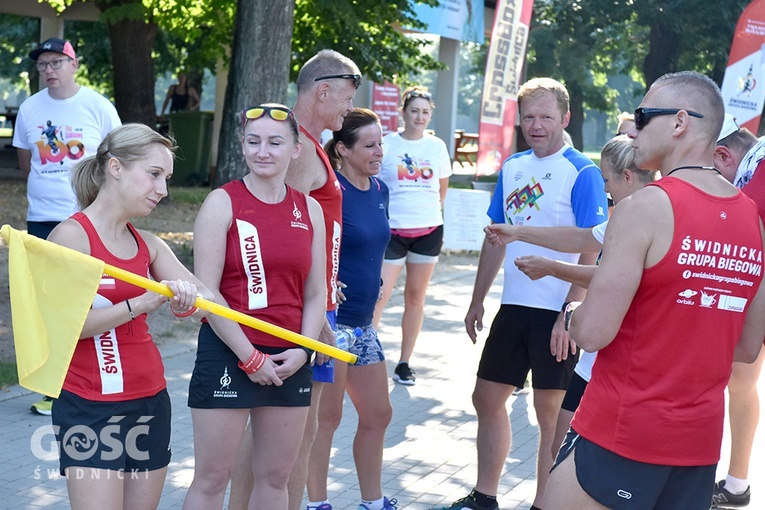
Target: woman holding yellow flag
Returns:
[[112, 418], [259, 246]]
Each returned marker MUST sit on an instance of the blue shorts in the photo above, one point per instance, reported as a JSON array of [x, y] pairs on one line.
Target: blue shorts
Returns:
[[623, 484], [217, 382], [132, 435], [367, 348]]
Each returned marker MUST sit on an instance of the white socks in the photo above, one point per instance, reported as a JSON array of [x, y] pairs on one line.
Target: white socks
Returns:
[[736, 485], [373, 505]]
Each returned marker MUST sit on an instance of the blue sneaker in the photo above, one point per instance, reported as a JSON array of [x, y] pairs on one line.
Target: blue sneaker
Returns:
[[323, 506], [388, 504]]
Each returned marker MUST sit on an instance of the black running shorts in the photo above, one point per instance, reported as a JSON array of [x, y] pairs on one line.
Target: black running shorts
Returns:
[[217, 382], [519, 341]]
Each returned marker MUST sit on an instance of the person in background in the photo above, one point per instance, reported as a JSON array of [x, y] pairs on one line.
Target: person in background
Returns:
[[621, 178], [552, 184], [117, 370], [356, 153], [626, 123], [740, 156], [259, 246], [55, 128], [416, 167], [326, 86], [180, 96], [635, 441]]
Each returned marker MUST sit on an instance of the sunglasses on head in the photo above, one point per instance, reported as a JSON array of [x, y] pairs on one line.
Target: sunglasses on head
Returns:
[[275, 112], [417, 93], [355, 77], [643, 115]]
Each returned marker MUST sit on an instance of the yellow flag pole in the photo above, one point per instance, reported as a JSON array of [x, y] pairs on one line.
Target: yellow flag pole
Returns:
[[234, 315]]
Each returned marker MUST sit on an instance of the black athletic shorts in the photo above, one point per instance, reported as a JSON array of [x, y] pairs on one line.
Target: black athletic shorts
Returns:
[[131, 436], [41, 229], [623, 484], [519, 341], [574, 393], [217, 382], [428, 245]]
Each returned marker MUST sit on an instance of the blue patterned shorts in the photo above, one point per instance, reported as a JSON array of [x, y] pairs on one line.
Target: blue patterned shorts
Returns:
[[367, 348]]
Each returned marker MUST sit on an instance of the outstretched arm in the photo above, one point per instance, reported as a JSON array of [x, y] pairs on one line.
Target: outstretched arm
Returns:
[[536, 267], [563, 239]]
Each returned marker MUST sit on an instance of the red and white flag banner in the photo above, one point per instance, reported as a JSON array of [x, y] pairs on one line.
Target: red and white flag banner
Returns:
[[507, 52], [743, 86]]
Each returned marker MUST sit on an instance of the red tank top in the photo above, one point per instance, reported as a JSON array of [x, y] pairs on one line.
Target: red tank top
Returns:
[[268, 257], [656, 393], [122, 363], [330, 197]]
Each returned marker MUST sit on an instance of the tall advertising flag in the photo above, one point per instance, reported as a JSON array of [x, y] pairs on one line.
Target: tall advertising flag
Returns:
[[507, 52], [743, 87]]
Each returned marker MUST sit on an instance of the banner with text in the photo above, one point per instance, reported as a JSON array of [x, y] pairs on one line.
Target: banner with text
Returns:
[[507, 52], [385, 105], [743, 86]]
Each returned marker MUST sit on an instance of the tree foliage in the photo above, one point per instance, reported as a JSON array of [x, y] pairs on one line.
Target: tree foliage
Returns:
[[587, 42]]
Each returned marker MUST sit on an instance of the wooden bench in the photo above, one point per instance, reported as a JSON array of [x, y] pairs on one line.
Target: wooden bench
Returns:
[[465, 147]]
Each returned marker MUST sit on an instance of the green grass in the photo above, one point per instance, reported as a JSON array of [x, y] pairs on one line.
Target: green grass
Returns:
[[594, 156], [8, 374], [188, 195]]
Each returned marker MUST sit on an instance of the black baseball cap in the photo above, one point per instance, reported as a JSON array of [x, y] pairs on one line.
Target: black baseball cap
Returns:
[[55, 45]]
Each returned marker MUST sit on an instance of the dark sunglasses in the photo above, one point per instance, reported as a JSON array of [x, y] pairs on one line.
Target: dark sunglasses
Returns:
[[279, 113], [643, 115], [355, 77]]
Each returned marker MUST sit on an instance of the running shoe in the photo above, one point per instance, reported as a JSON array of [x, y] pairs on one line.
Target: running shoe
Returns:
[[723, 498], [388, 504], [43, 406], [403, 374], [469, 502]]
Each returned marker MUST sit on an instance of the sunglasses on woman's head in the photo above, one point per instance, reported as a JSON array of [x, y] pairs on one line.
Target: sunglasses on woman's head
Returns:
[[279, 113], [417, 93]]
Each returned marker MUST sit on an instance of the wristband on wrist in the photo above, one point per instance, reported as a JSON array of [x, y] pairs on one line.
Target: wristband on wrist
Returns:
[[253, 364], [565, 305], [568, 313], [130, 310], [187, 313]]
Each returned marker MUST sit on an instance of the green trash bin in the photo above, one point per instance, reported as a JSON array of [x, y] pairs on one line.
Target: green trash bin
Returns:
[[192, 131]]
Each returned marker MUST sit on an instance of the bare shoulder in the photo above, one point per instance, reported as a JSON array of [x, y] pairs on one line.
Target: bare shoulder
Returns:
[[645, 204], [306, 172], [641, 226], [70, 233], [217, 204]]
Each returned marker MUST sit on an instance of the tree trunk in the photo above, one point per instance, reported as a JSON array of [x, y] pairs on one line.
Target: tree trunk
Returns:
[[258, 73], [576, 106], [663, 54], [132, 42]]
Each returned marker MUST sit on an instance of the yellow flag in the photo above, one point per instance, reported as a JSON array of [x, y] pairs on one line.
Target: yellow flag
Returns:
[[52, 289]]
